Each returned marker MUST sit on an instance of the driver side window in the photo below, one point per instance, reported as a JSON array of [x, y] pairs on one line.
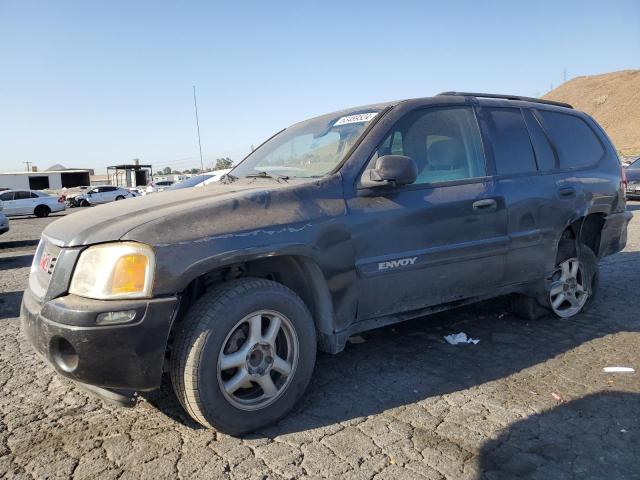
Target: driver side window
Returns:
[[445, 143]]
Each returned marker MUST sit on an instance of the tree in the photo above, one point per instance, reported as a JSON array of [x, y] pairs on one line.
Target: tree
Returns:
[[223, 163], [166, 170]]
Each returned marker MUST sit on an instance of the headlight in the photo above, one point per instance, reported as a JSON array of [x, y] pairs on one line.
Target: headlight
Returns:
[[114, 271]]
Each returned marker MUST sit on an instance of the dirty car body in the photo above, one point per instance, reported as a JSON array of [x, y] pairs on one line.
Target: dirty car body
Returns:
[[359, 251]]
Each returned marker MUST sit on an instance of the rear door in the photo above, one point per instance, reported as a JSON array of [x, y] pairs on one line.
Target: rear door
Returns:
[[440, 239], [109, 194], [24, 205], [524, 165]]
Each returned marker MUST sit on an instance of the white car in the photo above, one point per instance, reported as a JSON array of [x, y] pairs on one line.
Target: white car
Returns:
[[30, 202], [158, 186], [216, 175], [102, 194], [4, 221]]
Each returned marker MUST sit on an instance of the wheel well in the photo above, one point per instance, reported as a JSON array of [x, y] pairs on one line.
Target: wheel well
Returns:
[[300, 274], [586, 230], [41, 208]]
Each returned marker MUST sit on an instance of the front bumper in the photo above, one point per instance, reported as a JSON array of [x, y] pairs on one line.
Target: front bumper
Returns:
[[125, 357], [613, 237]]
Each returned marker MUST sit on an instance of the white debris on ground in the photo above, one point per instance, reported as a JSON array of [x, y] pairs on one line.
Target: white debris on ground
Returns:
[[456, 338], [618, 370]]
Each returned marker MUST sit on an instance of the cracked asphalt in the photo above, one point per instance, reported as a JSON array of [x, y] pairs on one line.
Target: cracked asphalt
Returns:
[[529, 401]]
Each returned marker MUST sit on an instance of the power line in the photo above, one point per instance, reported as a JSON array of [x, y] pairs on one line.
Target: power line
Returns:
[[28, 166]]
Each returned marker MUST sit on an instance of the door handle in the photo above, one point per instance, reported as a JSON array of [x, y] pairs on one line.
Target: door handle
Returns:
[[485, 204], [567, 192]]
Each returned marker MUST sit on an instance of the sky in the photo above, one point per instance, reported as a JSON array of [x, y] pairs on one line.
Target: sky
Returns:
[[91, 84]]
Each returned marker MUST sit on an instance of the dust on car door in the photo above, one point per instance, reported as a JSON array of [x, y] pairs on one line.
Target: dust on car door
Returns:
[[440, 239]]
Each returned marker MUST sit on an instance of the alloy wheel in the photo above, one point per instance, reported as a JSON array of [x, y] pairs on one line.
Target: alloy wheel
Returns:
[[568, 292], [258, 360]]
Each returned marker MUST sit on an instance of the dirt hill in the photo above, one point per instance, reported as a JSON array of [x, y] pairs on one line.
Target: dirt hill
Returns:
[[613, 99]]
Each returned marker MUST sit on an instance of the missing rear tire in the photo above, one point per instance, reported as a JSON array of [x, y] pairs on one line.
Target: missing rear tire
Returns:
[[570, 290]]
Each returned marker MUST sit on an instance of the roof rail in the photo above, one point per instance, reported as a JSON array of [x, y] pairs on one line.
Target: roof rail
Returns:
[[505, 97]]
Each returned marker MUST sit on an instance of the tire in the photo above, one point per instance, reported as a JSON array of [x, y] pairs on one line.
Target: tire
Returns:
[[42, 211], [85, 203], [222, 321], [119, 197], [531, 308]]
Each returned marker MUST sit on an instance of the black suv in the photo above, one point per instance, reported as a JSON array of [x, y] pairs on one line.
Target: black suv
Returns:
[[336, 225]]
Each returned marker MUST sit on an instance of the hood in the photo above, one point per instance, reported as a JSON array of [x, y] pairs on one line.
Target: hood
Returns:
[[112, 221]]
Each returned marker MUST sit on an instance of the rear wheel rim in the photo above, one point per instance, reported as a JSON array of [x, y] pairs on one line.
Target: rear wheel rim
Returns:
[[568, 292], [258, 360]]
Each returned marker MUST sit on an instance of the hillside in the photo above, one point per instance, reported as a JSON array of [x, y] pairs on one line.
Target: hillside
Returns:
[[613, 99]]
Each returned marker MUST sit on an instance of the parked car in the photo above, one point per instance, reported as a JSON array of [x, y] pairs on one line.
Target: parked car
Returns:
[[158, 186], [336, 225], [190, 182], [632, 174], [216, 175], [30, 202], [4, 221], [102, 194]]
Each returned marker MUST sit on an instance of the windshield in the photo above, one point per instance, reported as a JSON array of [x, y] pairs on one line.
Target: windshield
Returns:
[[635, 163], [189, 182], [312, 148]]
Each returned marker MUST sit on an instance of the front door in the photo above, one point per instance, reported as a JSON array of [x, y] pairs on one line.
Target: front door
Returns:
[[440, 239], [8, 205]]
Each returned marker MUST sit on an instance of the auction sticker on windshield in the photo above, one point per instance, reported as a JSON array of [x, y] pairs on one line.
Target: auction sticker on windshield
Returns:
[[358, 118]]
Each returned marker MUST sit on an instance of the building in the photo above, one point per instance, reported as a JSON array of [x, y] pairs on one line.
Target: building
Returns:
[[130, 174], [47, 180]]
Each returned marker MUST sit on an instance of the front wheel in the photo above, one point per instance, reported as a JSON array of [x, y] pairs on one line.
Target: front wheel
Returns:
[[243, 355], [119, 197]]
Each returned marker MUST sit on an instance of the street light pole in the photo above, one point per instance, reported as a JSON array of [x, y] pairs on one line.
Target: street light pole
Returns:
[[195, 105]]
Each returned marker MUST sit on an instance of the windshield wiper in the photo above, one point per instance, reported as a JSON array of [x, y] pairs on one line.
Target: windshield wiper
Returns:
[[267, 175], [227, 177]]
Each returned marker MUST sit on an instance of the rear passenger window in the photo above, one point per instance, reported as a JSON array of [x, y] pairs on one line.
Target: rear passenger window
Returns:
[[510, 140], [34, 195], [576, 143], [544, 153], [22, 195]]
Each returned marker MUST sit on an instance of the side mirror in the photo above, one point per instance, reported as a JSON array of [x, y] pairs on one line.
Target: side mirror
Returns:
[[394, 170]]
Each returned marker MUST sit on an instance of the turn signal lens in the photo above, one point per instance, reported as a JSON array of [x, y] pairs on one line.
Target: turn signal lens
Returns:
[[129, 274]]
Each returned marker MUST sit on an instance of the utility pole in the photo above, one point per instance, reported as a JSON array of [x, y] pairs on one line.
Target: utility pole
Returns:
[[28, 166], [195, 105]]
